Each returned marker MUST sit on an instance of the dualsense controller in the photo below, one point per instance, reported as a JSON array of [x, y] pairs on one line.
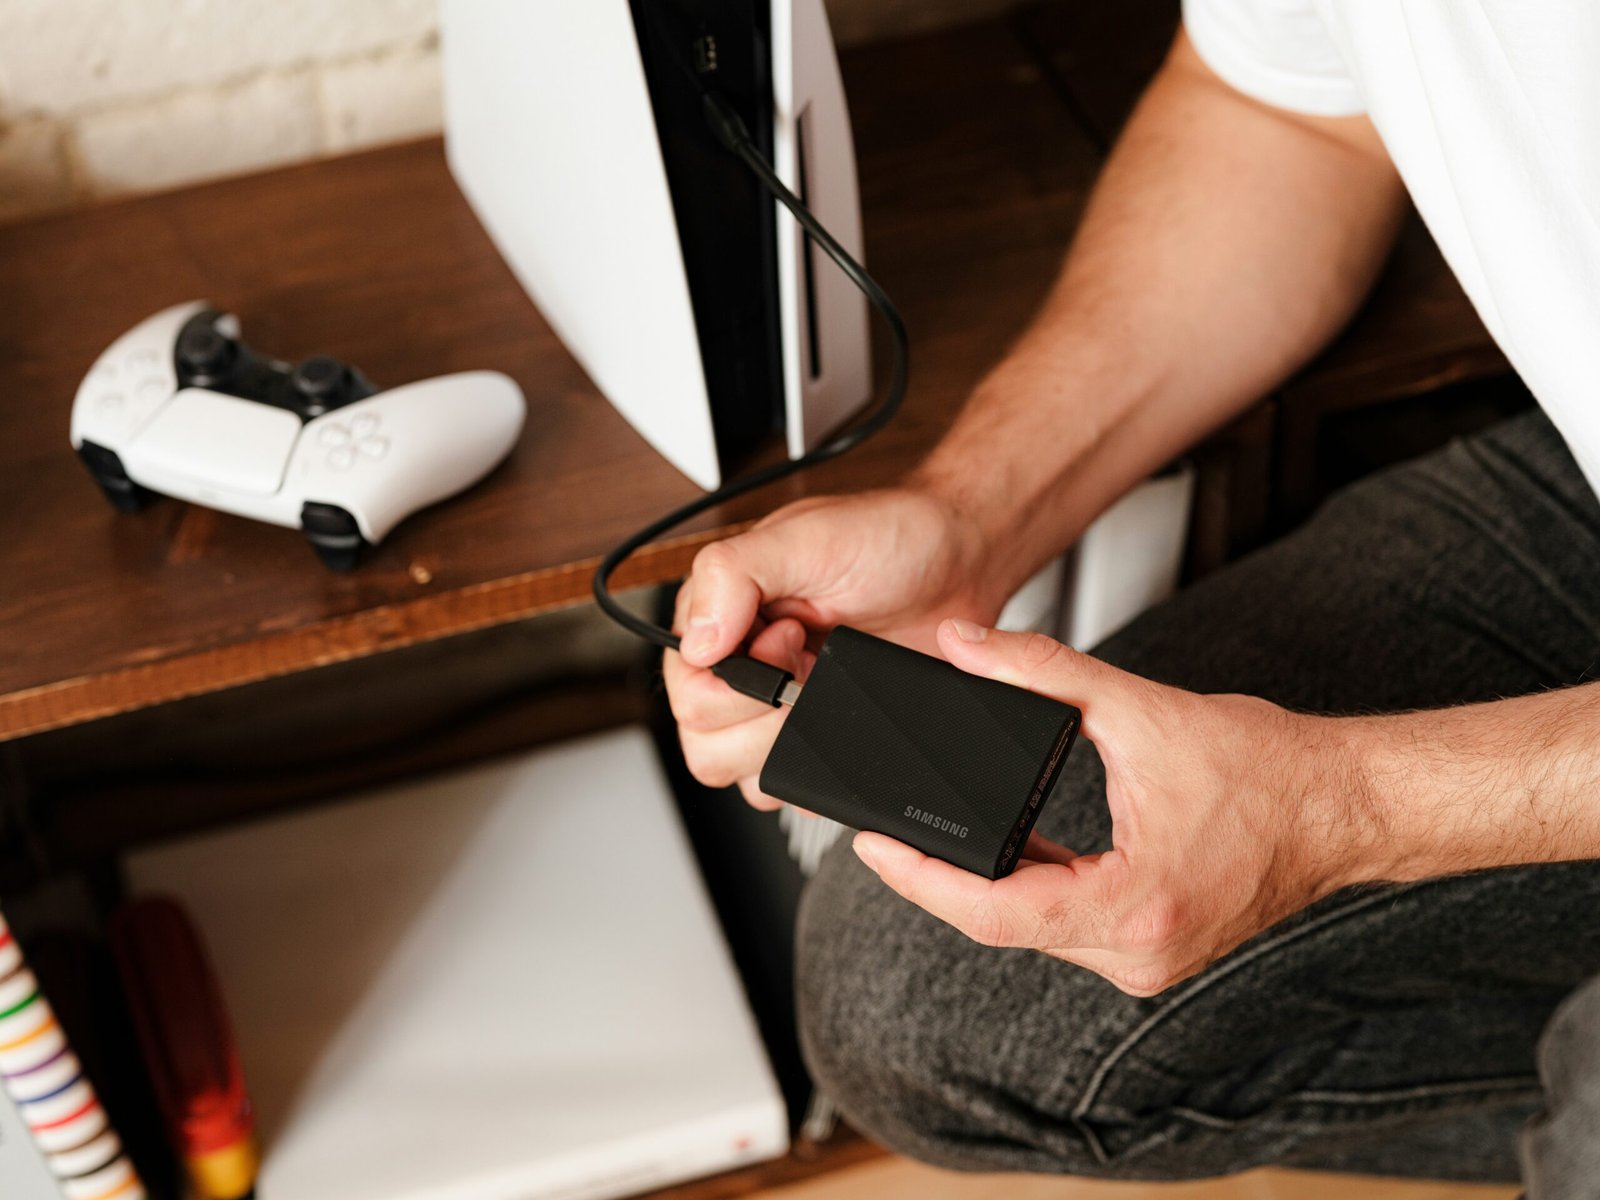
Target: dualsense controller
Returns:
[[180, 406]]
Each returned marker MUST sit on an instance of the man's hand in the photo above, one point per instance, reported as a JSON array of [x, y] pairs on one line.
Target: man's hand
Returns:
[[1228, 814], [892, 562]]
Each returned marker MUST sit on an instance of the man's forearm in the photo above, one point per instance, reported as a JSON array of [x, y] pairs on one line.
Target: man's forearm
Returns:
[[1482, 785], [1225, 243]]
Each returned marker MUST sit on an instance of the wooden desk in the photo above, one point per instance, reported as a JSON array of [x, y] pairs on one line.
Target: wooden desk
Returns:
[[974, 165], [972, 175]]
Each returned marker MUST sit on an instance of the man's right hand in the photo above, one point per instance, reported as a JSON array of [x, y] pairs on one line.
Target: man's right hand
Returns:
[[894, 562]]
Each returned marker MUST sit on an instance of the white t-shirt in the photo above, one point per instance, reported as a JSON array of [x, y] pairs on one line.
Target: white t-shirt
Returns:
[[1491, 111]]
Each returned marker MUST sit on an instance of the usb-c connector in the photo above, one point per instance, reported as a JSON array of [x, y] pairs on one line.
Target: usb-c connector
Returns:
[[758, 680]]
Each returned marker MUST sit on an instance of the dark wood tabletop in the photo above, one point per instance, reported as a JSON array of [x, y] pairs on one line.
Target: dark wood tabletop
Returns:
[[974, 166], [972, 177]]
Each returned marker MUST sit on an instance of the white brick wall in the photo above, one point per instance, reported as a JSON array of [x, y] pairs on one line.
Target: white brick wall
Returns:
[[384, 98], [33, 168], [196, 132], [104, 97]]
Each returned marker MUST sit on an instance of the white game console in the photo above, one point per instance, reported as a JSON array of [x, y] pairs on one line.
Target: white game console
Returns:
[[505, 982], [699, 308], [180, 406]]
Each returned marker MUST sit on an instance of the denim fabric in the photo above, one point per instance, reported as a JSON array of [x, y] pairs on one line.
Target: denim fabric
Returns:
[[1390, 1029], [1561, 1146]]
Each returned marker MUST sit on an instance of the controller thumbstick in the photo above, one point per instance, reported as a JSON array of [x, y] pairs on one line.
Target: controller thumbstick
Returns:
[[205, 354], [322, 380], [319, 377]]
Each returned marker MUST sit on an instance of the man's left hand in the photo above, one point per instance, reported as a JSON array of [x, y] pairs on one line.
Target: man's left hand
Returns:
[[1228, 814]]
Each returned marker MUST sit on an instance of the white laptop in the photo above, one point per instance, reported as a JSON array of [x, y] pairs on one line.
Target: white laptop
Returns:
[[506, 982]]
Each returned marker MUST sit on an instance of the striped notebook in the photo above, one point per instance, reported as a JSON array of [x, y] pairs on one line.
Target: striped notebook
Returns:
[[23, 1173], [47, 1088]]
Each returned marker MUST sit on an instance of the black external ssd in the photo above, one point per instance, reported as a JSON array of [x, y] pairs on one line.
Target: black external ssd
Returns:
[[888, 739]]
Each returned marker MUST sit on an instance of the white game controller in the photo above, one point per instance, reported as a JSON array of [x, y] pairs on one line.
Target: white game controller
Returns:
[[180, 406]]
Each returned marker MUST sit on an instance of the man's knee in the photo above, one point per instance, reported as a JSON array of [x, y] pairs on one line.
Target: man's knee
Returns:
[[954, 1053], [982, 1059], [872, 1041], [1560, 1157]]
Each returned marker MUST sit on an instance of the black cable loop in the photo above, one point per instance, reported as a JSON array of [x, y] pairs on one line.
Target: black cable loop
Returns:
[[731, 131]]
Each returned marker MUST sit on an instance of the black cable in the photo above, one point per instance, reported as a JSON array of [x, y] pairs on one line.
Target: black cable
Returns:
[[731, 131]]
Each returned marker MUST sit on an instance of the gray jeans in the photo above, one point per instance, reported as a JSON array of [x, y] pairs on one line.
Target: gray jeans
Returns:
[[1389, 1029]]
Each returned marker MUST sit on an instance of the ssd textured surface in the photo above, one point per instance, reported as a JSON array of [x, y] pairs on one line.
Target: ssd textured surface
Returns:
[[887, 739]]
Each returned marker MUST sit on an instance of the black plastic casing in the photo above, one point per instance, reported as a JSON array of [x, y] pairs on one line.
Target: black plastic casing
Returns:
[[887, 739], [726, 218]]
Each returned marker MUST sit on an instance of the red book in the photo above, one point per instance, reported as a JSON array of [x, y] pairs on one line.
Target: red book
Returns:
[[188, 1047]]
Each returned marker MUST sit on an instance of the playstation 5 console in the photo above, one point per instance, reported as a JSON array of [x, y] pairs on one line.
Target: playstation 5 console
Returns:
[[698, 307]]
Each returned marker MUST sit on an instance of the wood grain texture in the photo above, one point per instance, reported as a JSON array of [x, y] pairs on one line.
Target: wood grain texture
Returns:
[[806, 1161], [897, 1178], [972, 177]]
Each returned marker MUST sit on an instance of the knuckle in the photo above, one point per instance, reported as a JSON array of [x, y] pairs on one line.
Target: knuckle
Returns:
[[1039, 650], [686, 710], [717, 776], [1144, 980], [756, 798], [1157, 924], [988, 926], [705, 766], [717, 557]]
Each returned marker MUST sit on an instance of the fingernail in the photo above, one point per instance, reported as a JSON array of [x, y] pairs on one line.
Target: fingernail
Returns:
[[701, 638], [967, 631], [864, 855]]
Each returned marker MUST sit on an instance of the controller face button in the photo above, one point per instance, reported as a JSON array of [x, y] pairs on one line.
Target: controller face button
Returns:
[[333, 435], [364, 425], [373, 447], [153, 389], [342, 458], [109, 403], [143, 358]]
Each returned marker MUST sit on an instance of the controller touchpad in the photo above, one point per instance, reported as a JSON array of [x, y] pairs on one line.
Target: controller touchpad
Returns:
[[237, 445]]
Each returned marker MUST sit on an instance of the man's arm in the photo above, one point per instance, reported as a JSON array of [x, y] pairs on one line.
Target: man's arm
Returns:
[[1483, 785], [1225, 243]]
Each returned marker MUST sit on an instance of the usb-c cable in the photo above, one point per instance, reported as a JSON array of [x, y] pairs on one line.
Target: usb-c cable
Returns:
[[762, 681]]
